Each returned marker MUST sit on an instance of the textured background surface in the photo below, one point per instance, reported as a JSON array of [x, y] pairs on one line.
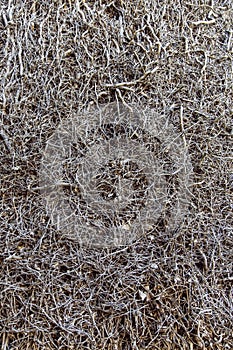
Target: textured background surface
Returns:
[[59, 58]]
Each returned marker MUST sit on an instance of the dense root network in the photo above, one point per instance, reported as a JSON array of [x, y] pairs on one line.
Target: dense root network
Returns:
[[165, 288]]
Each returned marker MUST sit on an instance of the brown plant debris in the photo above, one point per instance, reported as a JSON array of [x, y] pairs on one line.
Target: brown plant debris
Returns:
[[166, 290]]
